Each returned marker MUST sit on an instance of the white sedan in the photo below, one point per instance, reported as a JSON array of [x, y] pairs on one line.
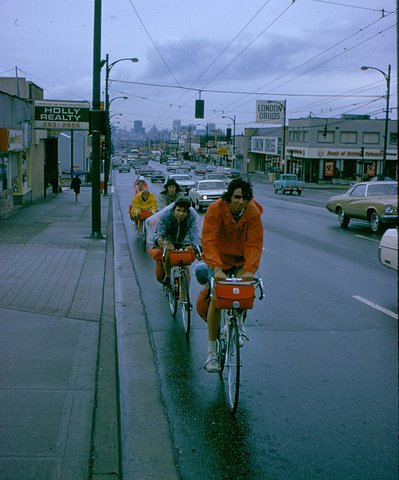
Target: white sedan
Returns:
[[388, 249], [205, 192]]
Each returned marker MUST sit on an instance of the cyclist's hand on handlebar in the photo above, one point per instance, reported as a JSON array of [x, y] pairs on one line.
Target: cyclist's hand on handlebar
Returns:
[[244, 275], [197, 252], [219, 274]]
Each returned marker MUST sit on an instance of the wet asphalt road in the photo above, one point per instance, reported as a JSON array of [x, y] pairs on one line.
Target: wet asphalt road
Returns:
[[318, 397]]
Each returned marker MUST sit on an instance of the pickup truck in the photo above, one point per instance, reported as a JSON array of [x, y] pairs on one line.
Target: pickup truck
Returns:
[[288, 182]]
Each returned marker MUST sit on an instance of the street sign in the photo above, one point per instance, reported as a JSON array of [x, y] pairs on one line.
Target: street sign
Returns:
[[59, 115], [270, 112]]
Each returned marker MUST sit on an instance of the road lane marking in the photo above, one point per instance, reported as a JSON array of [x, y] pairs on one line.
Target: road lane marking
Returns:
[[367, 238], [377, 307]]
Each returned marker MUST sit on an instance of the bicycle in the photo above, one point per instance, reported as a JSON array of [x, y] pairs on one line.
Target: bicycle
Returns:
[[178, 291], [234, 297], [142, 233]]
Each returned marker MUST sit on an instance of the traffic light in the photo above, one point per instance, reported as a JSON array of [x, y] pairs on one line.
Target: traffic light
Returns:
[[199, 108], [228, 134]]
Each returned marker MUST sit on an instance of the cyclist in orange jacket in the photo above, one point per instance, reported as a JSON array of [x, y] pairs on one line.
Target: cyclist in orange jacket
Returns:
[[232, 242]]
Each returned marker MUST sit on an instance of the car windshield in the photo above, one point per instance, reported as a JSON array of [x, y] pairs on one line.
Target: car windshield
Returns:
[[382, 189], [212, 186], [181, 177]]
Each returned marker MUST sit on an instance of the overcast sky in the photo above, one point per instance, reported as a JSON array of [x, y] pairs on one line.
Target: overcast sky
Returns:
[[307, 52]]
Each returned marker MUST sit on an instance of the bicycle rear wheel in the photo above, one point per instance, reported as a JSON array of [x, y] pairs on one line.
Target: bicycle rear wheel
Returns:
[[185, 303], [233, 364], [171, 292]]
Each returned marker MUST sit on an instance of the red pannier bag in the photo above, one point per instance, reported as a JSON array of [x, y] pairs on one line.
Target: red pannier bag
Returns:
[[181, 257], [234, 295], [145, 214]]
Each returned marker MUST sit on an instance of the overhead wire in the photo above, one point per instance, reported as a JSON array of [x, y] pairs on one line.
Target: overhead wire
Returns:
[[226, 47], [331, 47]]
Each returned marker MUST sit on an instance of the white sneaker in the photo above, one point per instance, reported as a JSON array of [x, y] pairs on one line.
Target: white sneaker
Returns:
[[242, 333], [212, 363]]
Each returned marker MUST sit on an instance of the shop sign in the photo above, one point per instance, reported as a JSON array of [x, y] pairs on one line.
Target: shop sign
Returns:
[[329, 169], [270, 112], [58, 115], [265, 145], [11, 140]]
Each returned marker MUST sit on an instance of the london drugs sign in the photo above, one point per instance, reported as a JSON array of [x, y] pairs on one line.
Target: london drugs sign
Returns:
[[58, 115], [271, 112]]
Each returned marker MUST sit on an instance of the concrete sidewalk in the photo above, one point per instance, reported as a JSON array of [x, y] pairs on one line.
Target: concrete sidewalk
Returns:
[[58, 400]]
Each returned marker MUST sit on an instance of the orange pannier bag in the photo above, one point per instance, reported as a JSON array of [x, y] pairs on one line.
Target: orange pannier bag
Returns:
[[145, 214], [234, 295], [181, 257]]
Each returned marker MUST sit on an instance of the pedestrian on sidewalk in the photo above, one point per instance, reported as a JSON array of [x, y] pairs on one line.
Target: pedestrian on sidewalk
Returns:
[[75, 186]]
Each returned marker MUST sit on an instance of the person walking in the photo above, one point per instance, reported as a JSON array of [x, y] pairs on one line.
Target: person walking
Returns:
[[75, 186], [232, 243]]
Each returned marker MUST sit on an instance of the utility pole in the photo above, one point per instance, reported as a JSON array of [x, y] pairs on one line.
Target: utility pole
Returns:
[[96, 104]]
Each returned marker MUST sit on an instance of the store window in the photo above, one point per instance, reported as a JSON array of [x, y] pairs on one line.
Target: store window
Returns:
[[3, 173], [24, 171], [348, 137], [371, 138], [393, 138]]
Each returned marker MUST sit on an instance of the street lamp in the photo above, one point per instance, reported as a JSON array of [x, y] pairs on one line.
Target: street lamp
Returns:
[[108, 67], [233, 119], [387, 77], [115, 98]]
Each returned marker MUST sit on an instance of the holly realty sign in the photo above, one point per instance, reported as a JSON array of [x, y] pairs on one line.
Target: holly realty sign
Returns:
[[59, 115]]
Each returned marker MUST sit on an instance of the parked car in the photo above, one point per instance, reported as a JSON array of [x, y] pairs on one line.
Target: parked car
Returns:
[[205, 192], [388, 249], [218, 176], [288, 182], [157, 176], [374, 202], [184, 181], [124, 167]]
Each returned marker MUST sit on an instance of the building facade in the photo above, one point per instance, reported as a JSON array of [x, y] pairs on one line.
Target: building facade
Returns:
[[337, 150], [22, 148]]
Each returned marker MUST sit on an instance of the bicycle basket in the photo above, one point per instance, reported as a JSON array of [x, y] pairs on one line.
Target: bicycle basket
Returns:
[[145, 214], [234, 296], [181, 257]]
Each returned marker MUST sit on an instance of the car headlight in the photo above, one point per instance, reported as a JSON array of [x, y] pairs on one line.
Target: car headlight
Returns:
[[389, 209], [204, 197]]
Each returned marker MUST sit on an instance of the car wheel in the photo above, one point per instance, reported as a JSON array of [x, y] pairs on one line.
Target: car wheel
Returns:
[[375, 222], [343, 219]]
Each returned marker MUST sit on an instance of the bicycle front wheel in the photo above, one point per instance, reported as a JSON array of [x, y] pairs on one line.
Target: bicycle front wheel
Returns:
[[171, 292], [144, 236], [222, 340], [185, 303], [233, 364]]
